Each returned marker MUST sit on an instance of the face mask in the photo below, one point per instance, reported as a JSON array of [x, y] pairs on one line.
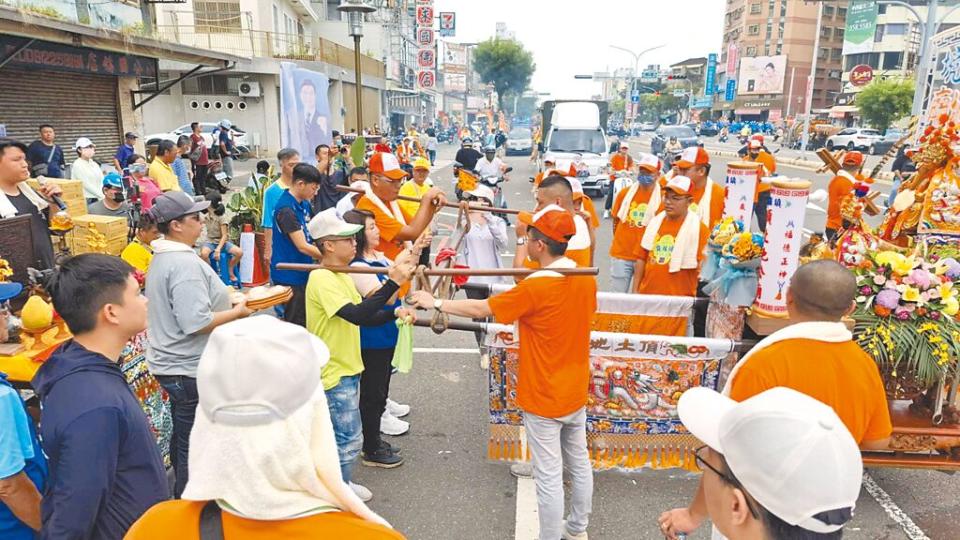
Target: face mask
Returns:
[[138, 168], [87, 153], [118, 197], [645, 179]]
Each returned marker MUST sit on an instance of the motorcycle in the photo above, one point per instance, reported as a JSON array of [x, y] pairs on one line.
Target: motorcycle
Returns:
[[242, 152], [622, 180], [722, 138], [493, 182], [216, 177]]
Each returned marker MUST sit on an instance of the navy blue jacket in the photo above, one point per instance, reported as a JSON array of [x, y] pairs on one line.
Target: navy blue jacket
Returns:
[[105, 469]]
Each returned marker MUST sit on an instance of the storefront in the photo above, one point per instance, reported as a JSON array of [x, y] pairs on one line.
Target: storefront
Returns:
[[751, 108]]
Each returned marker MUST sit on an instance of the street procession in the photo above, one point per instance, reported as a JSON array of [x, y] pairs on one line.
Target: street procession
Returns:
[[430, 269]]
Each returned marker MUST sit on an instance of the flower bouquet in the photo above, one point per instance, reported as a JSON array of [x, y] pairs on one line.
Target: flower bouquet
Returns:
[[721, 234], [737, 277], [906, 309]]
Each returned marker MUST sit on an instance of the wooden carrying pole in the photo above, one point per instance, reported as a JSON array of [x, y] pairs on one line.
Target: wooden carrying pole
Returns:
[[830, 162], [442, 271], [347, 189]]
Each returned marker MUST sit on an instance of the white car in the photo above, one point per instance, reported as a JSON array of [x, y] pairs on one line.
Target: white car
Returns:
[[519, 141], [854, 139], [206, 131]]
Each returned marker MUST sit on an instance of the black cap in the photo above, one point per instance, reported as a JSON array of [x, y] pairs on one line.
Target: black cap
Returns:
[[174, 205], [131, 135]]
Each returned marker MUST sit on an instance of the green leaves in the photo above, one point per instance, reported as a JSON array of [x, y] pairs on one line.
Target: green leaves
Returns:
[[505, 64], [883, 102]]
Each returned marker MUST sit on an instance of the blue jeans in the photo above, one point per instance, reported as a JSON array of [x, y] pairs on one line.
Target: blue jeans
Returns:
[[344, 402], [893, 191], [433, 156], [621, 274], [183, 407]]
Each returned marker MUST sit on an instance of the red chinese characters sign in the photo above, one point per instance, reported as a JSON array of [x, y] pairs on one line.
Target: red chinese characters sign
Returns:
[[861, 75]]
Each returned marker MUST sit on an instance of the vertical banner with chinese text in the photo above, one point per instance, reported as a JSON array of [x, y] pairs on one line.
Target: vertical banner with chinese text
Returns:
[[781, 246]]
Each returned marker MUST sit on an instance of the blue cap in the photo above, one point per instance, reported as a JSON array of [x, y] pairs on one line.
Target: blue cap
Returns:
[[9, 290], [113, 180]]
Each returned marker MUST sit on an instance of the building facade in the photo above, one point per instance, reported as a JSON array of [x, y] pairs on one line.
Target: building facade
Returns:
[[754, 29]]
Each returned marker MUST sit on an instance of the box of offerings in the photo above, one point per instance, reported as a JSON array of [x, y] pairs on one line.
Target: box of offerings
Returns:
[[98, 234], [72, 194]]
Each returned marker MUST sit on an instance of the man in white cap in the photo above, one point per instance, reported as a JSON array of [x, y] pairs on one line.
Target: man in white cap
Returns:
[[265, 448], [671, 248], [620, 161], [778, 465]]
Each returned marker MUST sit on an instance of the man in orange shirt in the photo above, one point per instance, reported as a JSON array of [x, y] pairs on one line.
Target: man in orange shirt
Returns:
[[669, 252], [707, 201], [761, 198], [395, 227], [816, 356], [631, 212], [548, 165], [840, 187], [621, 161], [287, 485], [554, 314], [556, 189]]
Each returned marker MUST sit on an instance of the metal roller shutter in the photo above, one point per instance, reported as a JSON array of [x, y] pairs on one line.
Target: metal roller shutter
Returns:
[[77, 105]]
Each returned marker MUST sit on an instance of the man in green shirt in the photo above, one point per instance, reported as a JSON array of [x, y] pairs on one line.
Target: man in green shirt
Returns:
[[335, 311]]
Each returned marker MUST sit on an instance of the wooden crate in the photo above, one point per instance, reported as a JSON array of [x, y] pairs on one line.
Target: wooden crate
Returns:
[[113, 228], [72, 195], [114, 247]]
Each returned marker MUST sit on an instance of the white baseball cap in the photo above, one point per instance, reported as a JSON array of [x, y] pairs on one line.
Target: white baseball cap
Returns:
[[258, 370], [790, 452], [481, 192], [327, 223], [649, 161], [83, 142], [679, 184]]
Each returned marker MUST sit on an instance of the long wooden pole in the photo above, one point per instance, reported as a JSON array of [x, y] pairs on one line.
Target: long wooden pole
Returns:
[[347, 189], [441, 271]]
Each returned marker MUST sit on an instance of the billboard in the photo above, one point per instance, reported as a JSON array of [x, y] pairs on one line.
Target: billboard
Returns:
[[454, 82], [858, 34], [305, 111], [455, 54], [761, 75], [708, 86]]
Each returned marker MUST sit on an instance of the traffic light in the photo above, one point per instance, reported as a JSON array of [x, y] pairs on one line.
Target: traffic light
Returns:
[[676, 77]]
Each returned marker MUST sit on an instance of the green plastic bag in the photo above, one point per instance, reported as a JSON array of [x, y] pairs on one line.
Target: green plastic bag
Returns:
[[358, 151], [403, 353]]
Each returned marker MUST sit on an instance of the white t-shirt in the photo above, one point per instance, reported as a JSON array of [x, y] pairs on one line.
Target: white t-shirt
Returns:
[[489, 168], [91, 176]]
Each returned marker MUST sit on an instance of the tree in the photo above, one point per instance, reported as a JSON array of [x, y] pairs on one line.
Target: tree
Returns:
[[505, 64], [657, 107], [883, 102]]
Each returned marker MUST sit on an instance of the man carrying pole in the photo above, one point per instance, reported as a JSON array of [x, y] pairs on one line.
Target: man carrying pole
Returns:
[[556, 190], [554, 333]]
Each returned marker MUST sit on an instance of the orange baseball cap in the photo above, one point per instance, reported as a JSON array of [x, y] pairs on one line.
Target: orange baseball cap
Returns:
[[649, 162], [386, 164], [679, 185], [554, 222], [577, 188], [691, 156], [853, 158]]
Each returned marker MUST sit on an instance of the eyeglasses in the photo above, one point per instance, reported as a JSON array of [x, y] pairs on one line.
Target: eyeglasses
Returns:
[[195, 217], [727, 478]]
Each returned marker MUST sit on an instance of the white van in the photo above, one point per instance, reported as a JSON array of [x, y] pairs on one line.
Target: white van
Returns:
[[575, 133]]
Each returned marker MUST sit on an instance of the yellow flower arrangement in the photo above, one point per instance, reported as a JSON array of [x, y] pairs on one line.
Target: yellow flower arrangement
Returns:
[[5, 271]]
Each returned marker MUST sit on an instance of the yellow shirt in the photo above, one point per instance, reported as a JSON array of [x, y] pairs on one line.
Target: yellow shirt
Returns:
[[137, 255], [411, 189], [164, 176]]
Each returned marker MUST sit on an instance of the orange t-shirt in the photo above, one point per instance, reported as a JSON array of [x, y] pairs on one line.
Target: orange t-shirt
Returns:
[[589, 208], [838, 190], [554, 315], [389, 228], [627, 234], [657, 278], [181, 520], [620, 163], [838, 374], [770, 163]]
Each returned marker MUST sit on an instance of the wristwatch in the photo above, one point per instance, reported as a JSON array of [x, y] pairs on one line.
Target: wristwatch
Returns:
[[522, 241], [437, 304]]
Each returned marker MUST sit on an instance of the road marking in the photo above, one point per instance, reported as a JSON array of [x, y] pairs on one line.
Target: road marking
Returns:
[[910, 528], [445, 351], [527, 517]]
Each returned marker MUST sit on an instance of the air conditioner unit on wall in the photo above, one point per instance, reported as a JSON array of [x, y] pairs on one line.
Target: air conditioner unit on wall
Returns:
[[249, 89]]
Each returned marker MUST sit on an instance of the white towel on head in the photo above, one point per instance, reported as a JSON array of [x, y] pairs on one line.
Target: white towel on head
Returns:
[[829, 332], [7, 210], [685, 246]]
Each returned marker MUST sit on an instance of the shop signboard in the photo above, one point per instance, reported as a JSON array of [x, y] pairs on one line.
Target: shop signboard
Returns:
[[861, 25]]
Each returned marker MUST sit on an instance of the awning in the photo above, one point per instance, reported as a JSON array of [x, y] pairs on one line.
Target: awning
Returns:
[[839, 111], [18, 23]]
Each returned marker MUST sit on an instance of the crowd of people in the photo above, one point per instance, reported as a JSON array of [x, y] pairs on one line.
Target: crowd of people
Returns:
[[266, 448]]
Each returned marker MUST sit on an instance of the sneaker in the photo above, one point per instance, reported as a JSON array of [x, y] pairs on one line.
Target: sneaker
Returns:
[[522, 470], [391, 425], [606, 214], [363, 493], [396, 409], [567, 535], [384, 458], [385, 445]]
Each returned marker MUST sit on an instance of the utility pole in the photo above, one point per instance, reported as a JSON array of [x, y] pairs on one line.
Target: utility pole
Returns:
[[811, 81]]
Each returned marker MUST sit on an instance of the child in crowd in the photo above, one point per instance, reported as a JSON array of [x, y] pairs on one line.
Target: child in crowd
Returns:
[[138, 253], [218, 237]]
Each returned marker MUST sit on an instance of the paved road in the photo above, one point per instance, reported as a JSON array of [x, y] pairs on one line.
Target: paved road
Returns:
[[448, 490]]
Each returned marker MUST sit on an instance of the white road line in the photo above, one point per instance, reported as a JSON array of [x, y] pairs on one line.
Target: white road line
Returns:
[[910, 528], [527, 519], [445, 351]]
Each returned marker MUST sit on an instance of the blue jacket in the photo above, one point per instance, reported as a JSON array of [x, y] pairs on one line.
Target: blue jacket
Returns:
[[105, 469], [284, 251]]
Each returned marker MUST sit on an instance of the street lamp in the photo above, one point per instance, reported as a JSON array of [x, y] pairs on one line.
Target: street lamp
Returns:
[[636, 69], [355, 9]]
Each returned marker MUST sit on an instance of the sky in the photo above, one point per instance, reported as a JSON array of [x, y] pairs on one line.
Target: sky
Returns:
[[571, 37]]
